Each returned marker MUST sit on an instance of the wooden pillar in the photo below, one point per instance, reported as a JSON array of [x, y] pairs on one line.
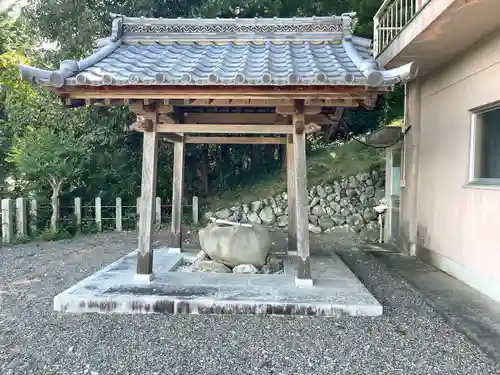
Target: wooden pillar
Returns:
[[292, 213], [301, 205], [177, 195], [148, 195]]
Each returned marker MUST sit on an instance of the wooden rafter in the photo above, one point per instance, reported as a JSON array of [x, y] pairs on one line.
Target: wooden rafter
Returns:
[[235, 140], [218, 92], [223, 128]]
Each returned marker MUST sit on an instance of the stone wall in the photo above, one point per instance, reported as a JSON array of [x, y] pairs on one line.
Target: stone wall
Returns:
[[344, 206]]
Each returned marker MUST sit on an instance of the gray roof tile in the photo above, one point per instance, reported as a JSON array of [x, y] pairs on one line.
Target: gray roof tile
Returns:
[[310, 51]]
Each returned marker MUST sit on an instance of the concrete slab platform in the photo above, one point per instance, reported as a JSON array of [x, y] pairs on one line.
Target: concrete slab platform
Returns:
[[336, 290]]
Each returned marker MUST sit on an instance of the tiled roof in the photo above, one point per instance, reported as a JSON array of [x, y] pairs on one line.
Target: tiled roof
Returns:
[[299, 51]]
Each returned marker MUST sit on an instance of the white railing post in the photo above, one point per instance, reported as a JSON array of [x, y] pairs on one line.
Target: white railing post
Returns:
[[7, 220], [98, 214], [196, 212], [77, 202], [119, 215], [21, 219], [158, 211]]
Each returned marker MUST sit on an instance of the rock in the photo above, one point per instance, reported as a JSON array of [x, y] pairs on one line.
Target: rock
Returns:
[[256, 206], [208, 215], [314, 201], [375, 176], [267, 215], [330, 197], [314, 229], [254, 218], [223, 214], [271, 202], [209, 266], [349, 193], [360, 177], [369, 214], [313, 219], [329, 189], [318, 211], [236, 216], [345, 212], [278, 211], [370, 232], [335, 206], [282, 221], [369, 182], [246, 209], [350, 207], [321, 192], [234, 245], [272, 266], [343, 183], [337, 198], [379, 194], [363, 198], [342, 229], [338, 219], [356, 222], [312, 192], [352, 183], [370, 191], [342, 192], [337, 188], [285, 196], [326, 222], [371, 202], [201, 256], [245, 268], [344, 202], [329, 211], [322, 202]]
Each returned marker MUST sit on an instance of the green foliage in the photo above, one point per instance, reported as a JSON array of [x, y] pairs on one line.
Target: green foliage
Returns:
[[90, 149], [45, 154]]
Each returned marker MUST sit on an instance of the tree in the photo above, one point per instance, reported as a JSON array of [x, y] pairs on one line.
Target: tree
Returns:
[[44, 156]]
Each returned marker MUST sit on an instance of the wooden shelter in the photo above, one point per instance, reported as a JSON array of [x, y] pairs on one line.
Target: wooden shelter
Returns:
[[272, 80]]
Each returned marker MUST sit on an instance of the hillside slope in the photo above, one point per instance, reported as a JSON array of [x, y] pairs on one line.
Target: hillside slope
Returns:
[[324, 165]]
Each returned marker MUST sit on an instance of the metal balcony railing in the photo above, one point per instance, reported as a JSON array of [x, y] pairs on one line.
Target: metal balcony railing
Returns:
[[391, 18]]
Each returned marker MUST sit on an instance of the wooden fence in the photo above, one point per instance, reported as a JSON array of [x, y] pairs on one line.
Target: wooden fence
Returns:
[[20, 216]]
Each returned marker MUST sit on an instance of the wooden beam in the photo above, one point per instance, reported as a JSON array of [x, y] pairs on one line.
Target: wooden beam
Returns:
[[236, 140], [301, 204], [177, 195], [290, 178], [140, 107], [290, 110], [224, 128], [247, 118], [147, 206], [172, 137], [215, 92]]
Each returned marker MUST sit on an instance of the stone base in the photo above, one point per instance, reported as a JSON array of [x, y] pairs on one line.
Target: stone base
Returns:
[[303, 283], [147, 278], [336, 291]]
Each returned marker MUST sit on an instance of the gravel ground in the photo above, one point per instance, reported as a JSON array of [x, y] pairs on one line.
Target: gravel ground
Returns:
[[409, 339]]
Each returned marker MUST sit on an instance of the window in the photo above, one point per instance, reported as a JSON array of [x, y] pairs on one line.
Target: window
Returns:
[[485, 147]]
